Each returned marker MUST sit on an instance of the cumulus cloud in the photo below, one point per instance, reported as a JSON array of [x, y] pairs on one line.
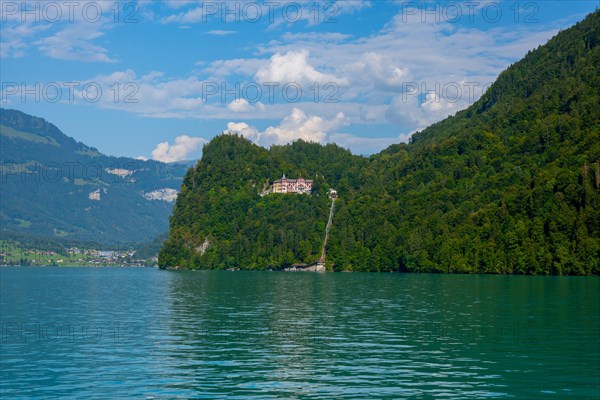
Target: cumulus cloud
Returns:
[[183, 147], [370, 70], [242, 105], [435, 103], [407, 110], [296, 126], [300, 126], [293, 66], [242, 128], [375, 68]]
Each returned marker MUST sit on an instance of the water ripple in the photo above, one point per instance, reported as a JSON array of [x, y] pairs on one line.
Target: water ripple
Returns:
[[144, 333]]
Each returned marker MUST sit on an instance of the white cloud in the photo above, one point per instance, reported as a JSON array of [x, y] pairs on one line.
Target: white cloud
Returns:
[[242, 128], [185, 103], [150, 95], [186, 17], [315, 13], [293, 66], [408, 110], [377, 67], [295, 126], [74, 44], [12, 48], [219, 32], [183, 148], [316, 129], [151, 76], [239, 66], [242, 105], [58, 31], [300, 126], [379, 70], [434, 103], [334, 37], [15, 36], [370, 70], [275, 13]]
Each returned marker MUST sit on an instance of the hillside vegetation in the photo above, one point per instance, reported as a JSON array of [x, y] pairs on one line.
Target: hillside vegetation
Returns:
[[509, 185], [54, 188]]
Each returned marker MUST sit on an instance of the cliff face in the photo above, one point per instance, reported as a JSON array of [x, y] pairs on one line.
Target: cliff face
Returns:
[[509, 185]]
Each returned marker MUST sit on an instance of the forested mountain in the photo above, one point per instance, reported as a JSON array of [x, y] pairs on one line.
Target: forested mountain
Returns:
[[220, 202], [509, 185], [55, 187]]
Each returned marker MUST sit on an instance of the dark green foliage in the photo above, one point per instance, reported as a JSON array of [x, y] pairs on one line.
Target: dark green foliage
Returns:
[[220, 202], [510, 185], [148, 250]]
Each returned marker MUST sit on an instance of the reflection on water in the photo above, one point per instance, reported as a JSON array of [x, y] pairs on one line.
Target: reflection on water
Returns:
[[144, 332]]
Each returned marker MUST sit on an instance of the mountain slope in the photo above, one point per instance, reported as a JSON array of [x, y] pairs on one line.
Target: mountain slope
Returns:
[[510, 185], [57, 187], [220, 205]]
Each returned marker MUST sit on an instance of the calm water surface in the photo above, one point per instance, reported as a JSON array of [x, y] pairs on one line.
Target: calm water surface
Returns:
[[145, 333]]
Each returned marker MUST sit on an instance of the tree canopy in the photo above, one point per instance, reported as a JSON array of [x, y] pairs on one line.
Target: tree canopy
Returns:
[[509, 185]]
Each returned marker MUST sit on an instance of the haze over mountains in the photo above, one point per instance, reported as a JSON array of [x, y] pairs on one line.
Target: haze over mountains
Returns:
[[56, 187]]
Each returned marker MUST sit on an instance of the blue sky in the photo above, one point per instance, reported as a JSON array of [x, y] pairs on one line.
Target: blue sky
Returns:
[[159, 79]]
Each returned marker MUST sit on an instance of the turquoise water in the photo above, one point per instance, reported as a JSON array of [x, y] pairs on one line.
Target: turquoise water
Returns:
[[146, 333]]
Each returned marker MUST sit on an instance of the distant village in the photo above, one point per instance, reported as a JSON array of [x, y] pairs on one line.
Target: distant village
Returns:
[[17, 255]]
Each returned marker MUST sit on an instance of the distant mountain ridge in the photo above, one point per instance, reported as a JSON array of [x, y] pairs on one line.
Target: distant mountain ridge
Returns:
[[54, 186]]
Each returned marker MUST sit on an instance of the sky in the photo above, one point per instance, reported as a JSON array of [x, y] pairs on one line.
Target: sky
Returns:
[[158, 79]]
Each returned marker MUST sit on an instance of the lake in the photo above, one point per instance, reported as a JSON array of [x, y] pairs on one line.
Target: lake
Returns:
[[147, 333]]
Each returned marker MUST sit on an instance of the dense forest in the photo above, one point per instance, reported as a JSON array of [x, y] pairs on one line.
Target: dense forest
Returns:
[[510, 185]]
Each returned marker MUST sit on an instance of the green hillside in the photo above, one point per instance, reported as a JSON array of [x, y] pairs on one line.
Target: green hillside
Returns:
[[220, 202], [509, 185], [56, 188]]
